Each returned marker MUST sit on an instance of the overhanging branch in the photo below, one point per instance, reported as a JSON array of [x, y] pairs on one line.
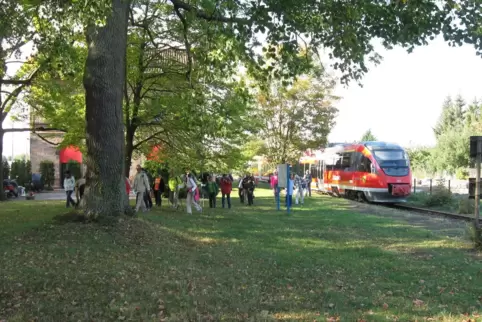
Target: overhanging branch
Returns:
[[23, 82], [47, 140], [35, 130], [206, 16], [138, 144]]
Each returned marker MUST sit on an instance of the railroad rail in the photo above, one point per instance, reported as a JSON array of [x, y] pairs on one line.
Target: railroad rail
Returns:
[[430, 212], [423, 210]]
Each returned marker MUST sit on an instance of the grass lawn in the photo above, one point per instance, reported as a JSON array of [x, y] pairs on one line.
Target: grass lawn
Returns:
[[323, 262]]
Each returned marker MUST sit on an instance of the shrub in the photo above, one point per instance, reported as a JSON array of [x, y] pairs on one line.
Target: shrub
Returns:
[[21, 171], [75, 169], [47, 170], [466, 206], [440, 196], [419, 198]]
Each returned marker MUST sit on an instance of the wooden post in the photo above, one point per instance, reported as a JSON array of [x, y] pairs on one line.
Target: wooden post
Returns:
[[430, 186], [477, 186], [414, 185], [449, 185]]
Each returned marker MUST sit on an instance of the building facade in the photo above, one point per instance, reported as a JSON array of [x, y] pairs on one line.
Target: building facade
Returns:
[[41, 150]]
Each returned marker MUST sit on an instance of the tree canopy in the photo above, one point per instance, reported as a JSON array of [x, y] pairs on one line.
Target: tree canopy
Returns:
[[457, 122], [296, 118]]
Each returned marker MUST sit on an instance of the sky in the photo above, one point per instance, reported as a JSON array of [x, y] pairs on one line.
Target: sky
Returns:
[[400, 100], [402, 97]]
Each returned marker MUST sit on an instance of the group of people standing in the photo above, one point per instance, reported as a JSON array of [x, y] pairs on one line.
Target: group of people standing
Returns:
[[298, 185], [146, 188], [143, 190], [175, 183]]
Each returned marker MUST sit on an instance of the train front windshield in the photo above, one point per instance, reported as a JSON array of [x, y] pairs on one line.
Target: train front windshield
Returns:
[[393, 162]]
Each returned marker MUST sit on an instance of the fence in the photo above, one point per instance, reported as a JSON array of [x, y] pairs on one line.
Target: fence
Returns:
[[431, 185]]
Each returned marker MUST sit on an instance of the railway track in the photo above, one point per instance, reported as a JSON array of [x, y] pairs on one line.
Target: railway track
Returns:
[[430, 212], [424, 211]]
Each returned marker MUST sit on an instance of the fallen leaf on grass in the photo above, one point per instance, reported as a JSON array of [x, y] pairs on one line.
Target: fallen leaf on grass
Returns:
[[418, 302]]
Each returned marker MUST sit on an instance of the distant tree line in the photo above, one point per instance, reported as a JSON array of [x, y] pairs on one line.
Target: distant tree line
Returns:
[[457, 122]]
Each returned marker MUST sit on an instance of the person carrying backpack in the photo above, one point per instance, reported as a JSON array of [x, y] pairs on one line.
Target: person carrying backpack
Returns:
[[192, 193], [248, 189], [141, 187]]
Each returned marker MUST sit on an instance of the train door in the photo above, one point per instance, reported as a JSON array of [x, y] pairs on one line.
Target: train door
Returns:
[[357, 175], [316, 171], [346, 171], [331, 172], [367, 172]]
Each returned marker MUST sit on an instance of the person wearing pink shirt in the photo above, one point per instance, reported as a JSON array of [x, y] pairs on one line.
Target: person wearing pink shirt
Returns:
[[274, 183]]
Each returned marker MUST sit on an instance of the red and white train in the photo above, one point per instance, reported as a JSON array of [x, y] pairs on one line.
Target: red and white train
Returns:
[[373, 171]]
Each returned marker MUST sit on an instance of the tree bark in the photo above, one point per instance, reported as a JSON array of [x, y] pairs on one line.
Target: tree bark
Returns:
[[2, 193], [129, 151], [104, 76]]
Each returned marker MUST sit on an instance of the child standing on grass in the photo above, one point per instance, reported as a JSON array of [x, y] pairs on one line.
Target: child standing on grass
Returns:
[[213, 191]]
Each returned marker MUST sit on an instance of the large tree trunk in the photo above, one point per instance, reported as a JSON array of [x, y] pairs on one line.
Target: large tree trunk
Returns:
[[2, 193], [104, 82], [129, 151]]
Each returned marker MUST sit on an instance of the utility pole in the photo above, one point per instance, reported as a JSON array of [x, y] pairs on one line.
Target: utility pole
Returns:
[[477, 184], [476, 151], [13, 139]]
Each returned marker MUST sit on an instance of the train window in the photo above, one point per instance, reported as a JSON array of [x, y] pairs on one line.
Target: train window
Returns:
[[365, 165], [356, 160], [346, 160], [338, 165], [317, 170]]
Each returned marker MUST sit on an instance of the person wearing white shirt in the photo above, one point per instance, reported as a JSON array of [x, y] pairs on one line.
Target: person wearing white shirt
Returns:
[[191, 186], [289, 191], [141, 187], [69, 186]]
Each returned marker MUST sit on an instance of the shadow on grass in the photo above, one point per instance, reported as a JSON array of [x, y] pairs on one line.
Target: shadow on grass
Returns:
[[239, 264]]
